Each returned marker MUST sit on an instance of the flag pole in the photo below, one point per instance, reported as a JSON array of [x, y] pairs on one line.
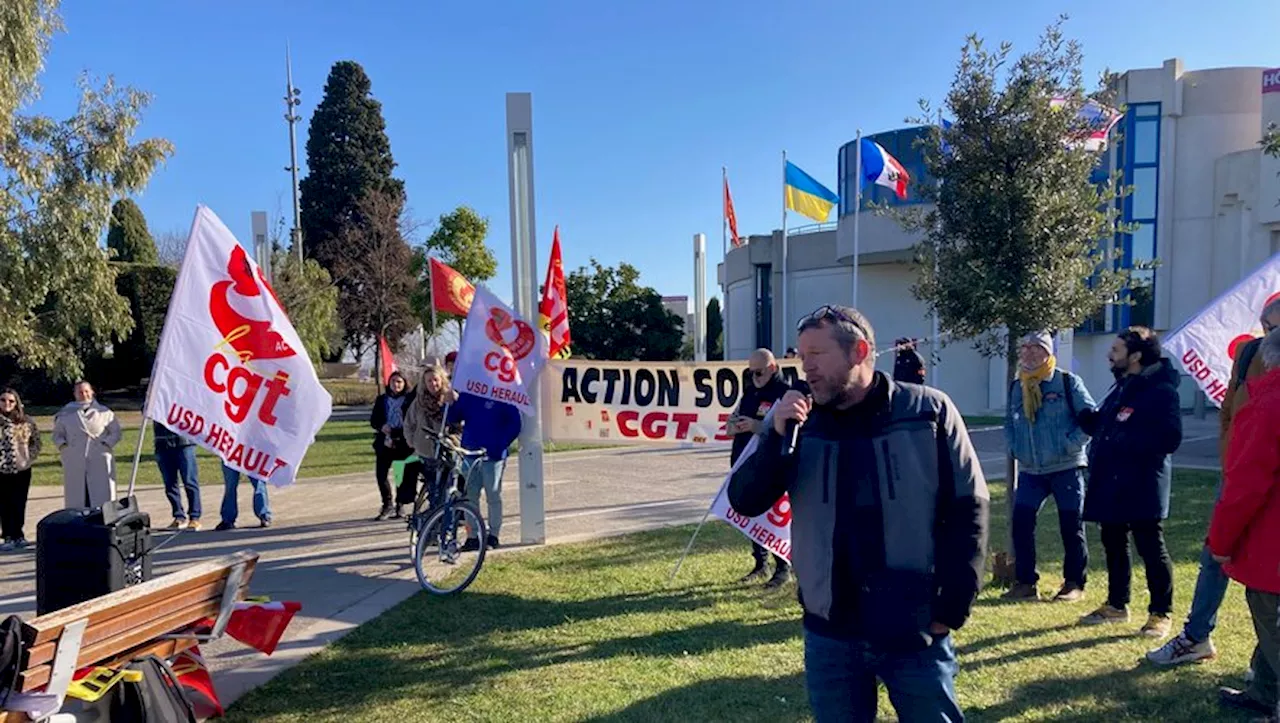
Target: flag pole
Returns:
[[784, 253], [857, 208], [696, 530], [431, 284], [933, 321], [724, 261]]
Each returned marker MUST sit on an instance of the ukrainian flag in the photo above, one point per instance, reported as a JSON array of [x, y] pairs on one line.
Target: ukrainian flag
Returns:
[[806, 196]]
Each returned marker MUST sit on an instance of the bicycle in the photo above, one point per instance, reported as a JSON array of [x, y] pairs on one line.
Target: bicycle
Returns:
[[439, 510]]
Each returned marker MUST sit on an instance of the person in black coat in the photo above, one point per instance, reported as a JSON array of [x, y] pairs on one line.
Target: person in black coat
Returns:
[[908, 365], [389, 443], [1135, 431], [765, 387]]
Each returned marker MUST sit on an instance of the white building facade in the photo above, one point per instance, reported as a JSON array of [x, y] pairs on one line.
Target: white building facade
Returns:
[[1205, 206]]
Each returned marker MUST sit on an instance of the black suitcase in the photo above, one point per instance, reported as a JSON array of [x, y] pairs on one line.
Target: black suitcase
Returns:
[[85, 553]]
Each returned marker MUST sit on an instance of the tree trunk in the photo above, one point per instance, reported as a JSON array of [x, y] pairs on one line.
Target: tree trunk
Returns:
[[1004, 567]]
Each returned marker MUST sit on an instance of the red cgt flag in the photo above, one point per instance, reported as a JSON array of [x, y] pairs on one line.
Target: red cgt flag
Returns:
[[386, 360], [730, 216], [553, 311], [451, 293]]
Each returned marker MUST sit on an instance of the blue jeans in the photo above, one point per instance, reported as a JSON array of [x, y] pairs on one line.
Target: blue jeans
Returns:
[[1211, 588], [1067, 488], [841, 678], [486, 474], [231, 505], [175, 462]]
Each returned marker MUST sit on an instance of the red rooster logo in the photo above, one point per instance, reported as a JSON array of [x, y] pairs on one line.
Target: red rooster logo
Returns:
[[251, 338]]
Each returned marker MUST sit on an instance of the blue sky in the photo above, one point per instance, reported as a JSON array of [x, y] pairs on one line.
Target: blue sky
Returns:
[[637, 105]]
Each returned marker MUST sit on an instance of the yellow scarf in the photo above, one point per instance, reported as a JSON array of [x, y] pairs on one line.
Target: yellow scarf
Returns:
[[1031, 396]]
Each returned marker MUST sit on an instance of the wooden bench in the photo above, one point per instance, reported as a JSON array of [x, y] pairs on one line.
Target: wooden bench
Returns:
[[155, 617]]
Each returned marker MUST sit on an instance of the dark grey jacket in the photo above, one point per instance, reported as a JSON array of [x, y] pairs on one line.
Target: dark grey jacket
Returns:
[[933, 495]]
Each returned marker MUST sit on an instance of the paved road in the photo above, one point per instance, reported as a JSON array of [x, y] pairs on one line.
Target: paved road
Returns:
[[325, 552]]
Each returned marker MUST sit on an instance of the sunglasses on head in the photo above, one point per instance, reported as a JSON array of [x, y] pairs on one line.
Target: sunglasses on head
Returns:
[[827, 312]]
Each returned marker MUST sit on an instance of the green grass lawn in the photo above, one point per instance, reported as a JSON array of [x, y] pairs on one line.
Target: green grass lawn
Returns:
[[340, 448], [590, 632]]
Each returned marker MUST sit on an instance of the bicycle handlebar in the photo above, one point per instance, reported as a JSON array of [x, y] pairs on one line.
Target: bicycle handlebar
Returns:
[[443, 440]]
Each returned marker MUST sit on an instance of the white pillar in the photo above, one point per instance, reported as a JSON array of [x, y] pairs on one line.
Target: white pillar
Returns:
[[261, 244], [524, 285], [700, 297]]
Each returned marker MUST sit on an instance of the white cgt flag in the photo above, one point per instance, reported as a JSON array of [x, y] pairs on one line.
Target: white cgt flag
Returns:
[[231, 372], [1206, 344], [501, 354], [772, 529]]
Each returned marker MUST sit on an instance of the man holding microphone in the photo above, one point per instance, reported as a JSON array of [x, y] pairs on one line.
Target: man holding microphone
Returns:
[[888, 528]]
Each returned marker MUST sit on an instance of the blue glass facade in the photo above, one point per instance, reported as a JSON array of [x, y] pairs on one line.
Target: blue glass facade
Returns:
[[902, 145]]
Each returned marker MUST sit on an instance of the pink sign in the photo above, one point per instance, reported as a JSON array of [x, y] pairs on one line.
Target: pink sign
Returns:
[[1271, 81]]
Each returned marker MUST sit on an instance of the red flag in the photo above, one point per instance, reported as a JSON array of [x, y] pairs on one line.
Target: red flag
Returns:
[[730, 216], [193, 674], [386, 360], [451, 293], [554, 308], [258, 625]]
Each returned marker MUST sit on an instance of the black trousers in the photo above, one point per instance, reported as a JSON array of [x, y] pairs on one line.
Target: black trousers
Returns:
[[383, 457], [761, 555], [1148, 537], [13, 503], [407, 492]]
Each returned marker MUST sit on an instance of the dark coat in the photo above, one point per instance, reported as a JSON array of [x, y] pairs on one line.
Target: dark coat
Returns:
[[379, 418], [1135, 432], [756, 402], [908, 366]]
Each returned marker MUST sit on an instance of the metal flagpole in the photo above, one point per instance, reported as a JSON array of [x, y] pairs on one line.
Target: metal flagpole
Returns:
[[724, 262], [431, 284], [934, 357], [857, 208], [785, 318]]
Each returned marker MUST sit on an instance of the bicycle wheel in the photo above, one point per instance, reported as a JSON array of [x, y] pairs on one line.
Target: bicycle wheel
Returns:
[[443, 566]]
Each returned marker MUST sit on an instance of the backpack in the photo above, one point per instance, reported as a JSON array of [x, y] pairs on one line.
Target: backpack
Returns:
[[158, 698], [10, 656], [1246, 359]]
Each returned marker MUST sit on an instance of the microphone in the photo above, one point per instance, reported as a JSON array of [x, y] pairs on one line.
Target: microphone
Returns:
[[791, 438]]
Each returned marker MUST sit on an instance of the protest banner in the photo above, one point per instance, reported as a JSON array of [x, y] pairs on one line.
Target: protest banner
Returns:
[[643, 401], [231, 372], [772, 530], [500, 355], [1207, 344]]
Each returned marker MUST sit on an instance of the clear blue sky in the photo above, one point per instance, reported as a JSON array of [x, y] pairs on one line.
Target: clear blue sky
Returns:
[[636, 105]]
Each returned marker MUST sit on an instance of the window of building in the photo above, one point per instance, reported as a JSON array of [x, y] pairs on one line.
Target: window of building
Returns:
[[764, 306]]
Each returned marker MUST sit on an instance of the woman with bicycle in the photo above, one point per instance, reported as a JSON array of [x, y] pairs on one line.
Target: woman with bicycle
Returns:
[[423, 419]]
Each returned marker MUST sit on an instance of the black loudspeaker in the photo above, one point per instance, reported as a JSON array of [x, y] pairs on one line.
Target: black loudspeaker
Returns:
[[86, 553]]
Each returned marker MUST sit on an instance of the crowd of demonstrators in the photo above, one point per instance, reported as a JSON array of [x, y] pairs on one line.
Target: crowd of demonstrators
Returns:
[[1043, 434], [1244, 533], [1195, 641], [19, 447], [767, 386], [1134, 433], [389, 442], [889, 524], [85, 433], [176, 458]]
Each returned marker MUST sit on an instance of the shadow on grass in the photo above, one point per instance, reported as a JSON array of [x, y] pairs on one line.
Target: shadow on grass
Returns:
[[747, 698]]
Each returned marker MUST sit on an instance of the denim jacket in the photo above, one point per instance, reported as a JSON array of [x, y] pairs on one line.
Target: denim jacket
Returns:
[[1055, 442]]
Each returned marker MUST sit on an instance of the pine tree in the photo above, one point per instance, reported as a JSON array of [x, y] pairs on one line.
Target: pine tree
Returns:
[[127, 234]]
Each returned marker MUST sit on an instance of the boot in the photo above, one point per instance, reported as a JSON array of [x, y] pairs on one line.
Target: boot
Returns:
[[399, 512], [384, 514], [781, 577], [756, 574]]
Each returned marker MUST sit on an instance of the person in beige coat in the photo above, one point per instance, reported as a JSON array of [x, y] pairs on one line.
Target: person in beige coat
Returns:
[[85, 432]]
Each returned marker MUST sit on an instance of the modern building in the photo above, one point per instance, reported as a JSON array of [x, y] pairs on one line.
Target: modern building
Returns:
[[679, 305], [1204, 206]]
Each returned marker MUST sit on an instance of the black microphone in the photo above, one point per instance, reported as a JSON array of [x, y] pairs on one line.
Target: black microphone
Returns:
[[791, 438]]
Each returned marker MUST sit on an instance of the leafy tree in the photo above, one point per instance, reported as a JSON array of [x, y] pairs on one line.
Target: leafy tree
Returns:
[[715, 331], [57, 181], [614, 318], [127, 234], [373, 276], [171, 246], [459, 241], [1015, 239], [1271, 141], [348, 157], [310, 299]]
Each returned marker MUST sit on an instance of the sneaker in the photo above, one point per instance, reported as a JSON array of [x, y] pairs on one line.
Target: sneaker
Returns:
[[1069, 593], [264, 523], [1182, 649], [1158, 626], [1240, 700], [1022, 591], [1105, 614], [399, 512], [21, 543], [383, 514], [194, 525], [224, 526], [8, 546], [177, 524], [757, 573], [491, 542], [780, 577], [471, 545]]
